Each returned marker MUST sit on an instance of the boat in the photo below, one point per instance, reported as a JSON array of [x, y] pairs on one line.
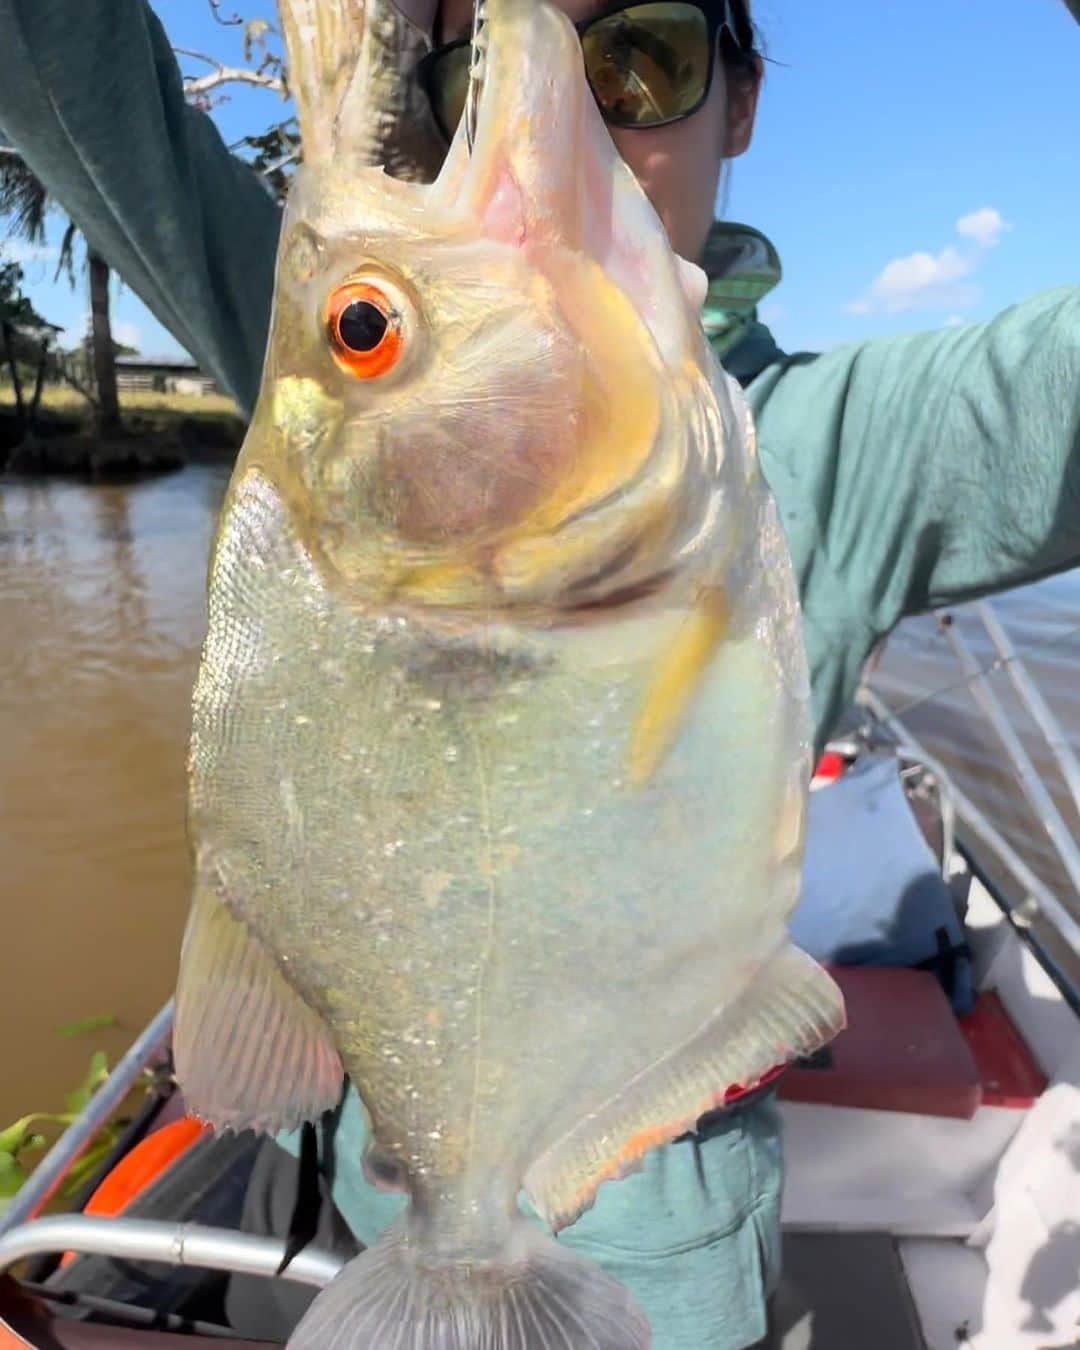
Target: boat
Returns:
[[932, 1197]]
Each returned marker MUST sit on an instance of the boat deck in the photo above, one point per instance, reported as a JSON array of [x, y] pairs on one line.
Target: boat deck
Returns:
[[843, 1292]]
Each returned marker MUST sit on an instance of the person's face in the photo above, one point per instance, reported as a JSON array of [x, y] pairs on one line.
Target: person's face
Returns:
[[678, 165]]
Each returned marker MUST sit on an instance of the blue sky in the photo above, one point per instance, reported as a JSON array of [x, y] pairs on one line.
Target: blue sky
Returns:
[[915, 163]]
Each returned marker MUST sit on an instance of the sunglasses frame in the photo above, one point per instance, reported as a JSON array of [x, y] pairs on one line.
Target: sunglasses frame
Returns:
[[717, 14]]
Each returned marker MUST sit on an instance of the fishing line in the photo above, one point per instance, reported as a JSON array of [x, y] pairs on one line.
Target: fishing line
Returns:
[[965, 680]]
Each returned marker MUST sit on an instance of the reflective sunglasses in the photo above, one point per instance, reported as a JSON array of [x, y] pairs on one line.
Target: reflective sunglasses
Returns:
[[647, 64]]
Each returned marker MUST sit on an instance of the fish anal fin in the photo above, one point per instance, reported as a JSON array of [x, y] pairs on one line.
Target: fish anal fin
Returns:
[[791, 1008], [249, 1053]]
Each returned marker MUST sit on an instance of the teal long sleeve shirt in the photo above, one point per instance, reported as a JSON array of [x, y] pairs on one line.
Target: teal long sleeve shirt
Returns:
[[909, 472]]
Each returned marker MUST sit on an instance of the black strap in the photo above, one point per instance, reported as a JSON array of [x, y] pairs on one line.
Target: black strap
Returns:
[[304, 1224], [311, 1170], [945, 961]]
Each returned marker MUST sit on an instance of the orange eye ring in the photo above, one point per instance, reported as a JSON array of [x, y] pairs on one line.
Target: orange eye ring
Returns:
[[365, 330]]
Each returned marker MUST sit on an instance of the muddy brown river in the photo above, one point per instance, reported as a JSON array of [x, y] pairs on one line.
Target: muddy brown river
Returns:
[[101, 618]]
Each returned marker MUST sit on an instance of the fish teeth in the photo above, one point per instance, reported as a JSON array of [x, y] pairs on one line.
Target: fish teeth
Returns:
[[477, 66]]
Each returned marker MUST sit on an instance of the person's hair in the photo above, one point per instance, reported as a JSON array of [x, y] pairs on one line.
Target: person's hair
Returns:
[[742, 56], [739, 49]]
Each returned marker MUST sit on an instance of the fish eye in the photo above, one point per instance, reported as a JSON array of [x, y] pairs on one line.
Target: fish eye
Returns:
[[365, 325]]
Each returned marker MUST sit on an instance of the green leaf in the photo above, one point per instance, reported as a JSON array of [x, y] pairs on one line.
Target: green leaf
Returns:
[[82, 1026], [17, 1137], [95, 1076], [21, 1135], [12, 1176], [91, 1160]]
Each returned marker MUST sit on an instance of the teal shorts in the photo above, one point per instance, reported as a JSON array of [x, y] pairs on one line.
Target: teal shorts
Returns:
[[695, 1236]]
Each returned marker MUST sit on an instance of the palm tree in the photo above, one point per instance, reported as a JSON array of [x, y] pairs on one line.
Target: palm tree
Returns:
[[24, 199], [108, 406], [25, 339]]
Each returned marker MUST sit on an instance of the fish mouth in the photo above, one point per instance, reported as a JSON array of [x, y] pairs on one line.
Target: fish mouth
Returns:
[[541, 171], [515, 160], [519, 47], [540, 174]]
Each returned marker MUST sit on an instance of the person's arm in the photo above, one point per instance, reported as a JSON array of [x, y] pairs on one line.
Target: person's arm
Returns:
[[91, 96], [922, 471]]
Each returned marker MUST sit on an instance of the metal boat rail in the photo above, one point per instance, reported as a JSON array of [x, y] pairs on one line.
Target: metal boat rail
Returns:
[[49, 1174], [183, 1244], [1039, 899], [23, 1235]]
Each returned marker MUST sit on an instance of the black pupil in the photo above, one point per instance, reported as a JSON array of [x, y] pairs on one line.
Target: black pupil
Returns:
[[362, 326]]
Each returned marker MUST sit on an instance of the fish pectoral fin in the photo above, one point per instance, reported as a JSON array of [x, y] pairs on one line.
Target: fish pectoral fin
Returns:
[[675, 682], [790, 1008], [249, 1053]]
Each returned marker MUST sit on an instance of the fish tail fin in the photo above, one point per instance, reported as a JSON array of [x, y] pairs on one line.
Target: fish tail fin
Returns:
[[538, 1296]]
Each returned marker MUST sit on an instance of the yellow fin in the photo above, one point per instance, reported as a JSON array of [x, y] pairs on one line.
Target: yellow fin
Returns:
[[674, 683]]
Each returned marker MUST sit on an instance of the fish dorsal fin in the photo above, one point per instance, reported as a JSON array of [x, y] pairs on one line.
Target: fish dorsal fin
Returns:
[[352, 73], [791, 1008], [249, 1053]]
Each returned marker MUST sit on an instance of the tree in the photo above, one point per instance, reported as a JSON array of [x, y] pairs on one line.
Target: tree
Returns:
[[15, 309], [24, 199], [274, 152], [26, 339], [108, 405]]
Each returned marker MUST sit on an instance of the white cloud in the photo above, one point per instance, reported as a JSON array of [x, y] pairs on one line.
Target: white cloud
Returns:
[[935, 280], [127, 334], [74, 333], [772, 313], [918, 281], [954, 321], [985, 226], [18, 250]]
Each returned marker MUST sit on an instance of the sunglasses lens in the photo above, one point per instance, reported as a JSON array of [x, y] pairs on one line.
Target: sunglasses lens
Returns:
[[648, 63], [450, 88]]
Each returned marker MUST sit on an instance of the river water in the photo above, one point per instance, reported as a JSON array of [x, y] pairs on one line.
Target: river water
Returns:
[[101, 618]]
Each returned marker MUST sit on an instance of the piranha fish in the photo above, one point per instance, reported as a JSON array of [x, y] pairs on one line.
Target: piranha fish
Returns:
[[500, 748]]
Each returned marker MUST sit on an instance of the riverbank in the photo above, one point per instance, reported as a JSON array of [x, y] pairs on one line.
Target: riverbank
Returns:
[[158, 433]]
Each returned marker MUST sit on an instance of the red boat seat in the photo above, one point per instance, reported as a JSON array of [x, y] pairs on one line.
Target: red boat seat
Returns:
[[1008, 1070], [902, 1050]]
